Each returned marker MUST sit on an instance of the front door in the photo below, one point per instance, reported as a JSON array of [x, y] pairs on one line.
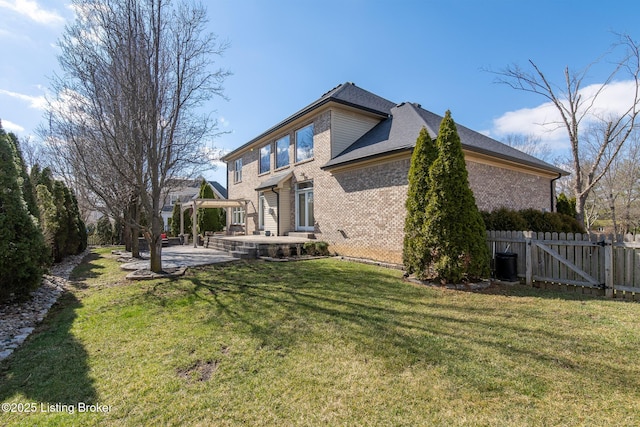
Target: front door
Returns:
[[304, 206]]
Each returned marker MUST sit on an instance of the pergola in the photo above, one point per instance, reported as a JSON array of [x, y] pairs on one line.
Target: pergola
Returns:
[[196, 204]]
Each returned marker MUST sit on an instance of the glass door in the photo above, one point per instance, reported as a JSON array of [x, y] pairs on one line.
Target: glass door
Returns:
[[304, 206]]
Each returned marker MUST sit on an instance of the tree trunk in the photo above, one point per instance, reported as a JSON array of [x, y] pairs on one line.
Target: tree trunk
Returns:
[[155, 242], [580, 204], [135, 230], [612, 207]]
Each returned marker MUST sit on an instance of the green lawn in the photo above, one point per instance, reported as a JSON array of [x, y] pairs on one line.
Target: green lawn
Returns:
[[322, 342]]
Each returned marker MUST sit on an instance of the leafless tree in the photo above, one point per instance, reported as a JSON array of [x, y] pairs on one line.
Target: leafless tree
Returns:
[[530, 144], [577, 108], [620, 187], [136, 73]]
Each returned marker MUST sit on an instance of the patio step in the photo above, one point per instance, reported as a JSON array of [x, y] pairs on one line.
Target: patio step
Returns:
[[244, 252]]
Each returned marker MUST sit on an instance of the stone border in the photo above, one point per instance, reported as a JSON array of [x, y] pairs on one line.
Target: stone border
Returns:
[[18, 321], [147, 274]]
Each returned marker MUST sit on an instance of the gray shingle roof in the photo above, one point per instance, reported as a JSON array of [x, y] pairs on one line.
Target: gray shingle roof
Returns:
[[346, 94], [219, 188], [400, 131], [274, 180]]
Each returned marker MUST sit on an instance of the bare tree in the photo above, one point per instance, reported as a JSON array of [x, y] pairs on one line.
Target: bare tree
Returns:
[[577, 108], [126, 119], [620, 187], [529, 144]]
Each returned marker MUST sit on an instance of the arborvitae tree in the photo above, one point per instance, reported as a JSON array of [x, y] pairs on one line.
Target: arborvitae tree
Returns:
[[77, 233], [454, 231], [175, 221], [23, 252], [61, 222], [565, 205], [48, 216], [28, 190], [104, 231], [209, 219], [62, 236], [414, 255]]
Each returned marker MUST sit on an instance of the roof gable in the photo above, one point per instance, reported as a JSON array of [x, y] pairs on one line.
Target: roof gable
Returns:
[[400, 131]]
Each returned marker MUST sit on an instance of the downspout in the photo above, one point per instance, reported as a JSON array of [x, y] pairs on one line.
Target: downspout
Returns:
[[552, 188]]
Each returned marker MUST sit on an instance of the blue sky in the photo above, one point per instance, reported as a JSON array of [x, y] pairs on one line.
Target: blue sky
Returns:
[[286, 54]]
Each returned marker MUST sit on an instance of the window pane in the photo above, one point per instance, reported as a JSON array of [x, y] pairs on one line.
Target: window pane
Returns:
[[265, 159], [282, 152], [304, 143], [238, 171], [310, 209], [302, 211]]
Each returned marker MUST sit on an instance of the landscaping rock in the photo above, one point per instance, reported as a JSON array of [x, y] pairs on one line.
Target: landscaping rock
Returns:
[[18, 320]]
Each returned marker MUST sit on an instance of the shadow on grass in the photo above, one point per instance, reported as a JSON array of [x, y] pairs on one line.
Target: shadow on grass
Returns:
[[87, 269], [400, 324], [51, 366]]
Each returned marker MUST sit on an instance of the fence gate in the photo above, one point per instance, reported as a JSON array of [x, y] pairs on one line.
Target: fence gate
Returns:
[[603, 263], [567, 261]]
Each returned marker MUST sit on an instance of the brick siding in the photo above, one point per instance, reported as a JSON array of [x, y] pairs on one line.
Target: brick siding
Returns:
[[360, 212]]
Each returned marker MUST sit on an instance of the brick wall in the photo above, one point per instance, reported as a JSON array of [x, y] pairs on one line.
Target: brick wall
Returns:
[[360, 212], [495, 187], [363, 212]]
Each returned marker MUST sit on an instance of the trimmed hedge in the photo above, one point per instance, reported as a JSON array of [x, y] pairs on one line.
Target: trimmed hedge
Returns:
[[531, 220]]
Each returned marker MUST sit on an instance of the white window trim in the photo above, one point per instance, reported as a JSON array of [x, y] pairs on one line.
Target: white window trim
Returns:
[[298, 192], [237, 216]]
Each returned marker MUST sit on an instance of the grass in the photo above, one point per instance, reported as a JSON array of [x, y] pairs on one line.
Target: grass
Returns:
[[323, 342]]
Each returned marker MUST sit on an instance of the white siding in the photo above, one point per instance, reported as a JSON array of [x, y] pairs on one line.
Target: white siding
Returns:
[[270, 203], [285, 209], [346, 128]]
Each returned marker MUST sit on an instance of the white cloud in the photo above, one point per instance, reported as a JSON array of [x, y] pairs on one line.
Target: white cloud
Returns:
[[33, 11], [544, 120], [11, 127], [223, 122], [36, 102]]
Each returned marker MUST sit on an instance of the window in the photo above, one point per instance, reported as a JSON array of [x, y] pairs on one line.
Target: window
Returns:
[[237, 177], [265, 159], [304, 143], [282, 152], [237, 216]]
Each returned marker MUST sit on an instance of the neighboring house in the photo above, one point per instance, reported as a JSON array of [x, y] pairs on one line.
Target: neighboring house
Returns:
[[184, 190], [338, 168]]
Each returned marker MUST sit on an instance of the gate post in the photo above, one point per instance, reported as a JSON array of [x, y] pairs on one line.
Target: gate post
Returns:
[[528, 259]]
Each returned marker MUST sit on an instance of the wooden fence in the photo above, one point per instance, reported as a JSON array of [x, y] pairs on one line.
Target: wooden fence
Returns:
[[589, 263]]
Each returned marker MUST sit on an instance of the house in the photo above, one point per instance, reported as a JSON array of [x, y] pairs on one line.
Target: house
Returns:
[[183, 190], [337, 170]]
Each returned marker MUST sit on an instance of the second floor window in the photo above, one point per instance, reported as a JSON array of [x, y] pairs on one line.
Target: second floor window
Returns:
[[304, 143], [282, 152], [237, 177], [265, 159]]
